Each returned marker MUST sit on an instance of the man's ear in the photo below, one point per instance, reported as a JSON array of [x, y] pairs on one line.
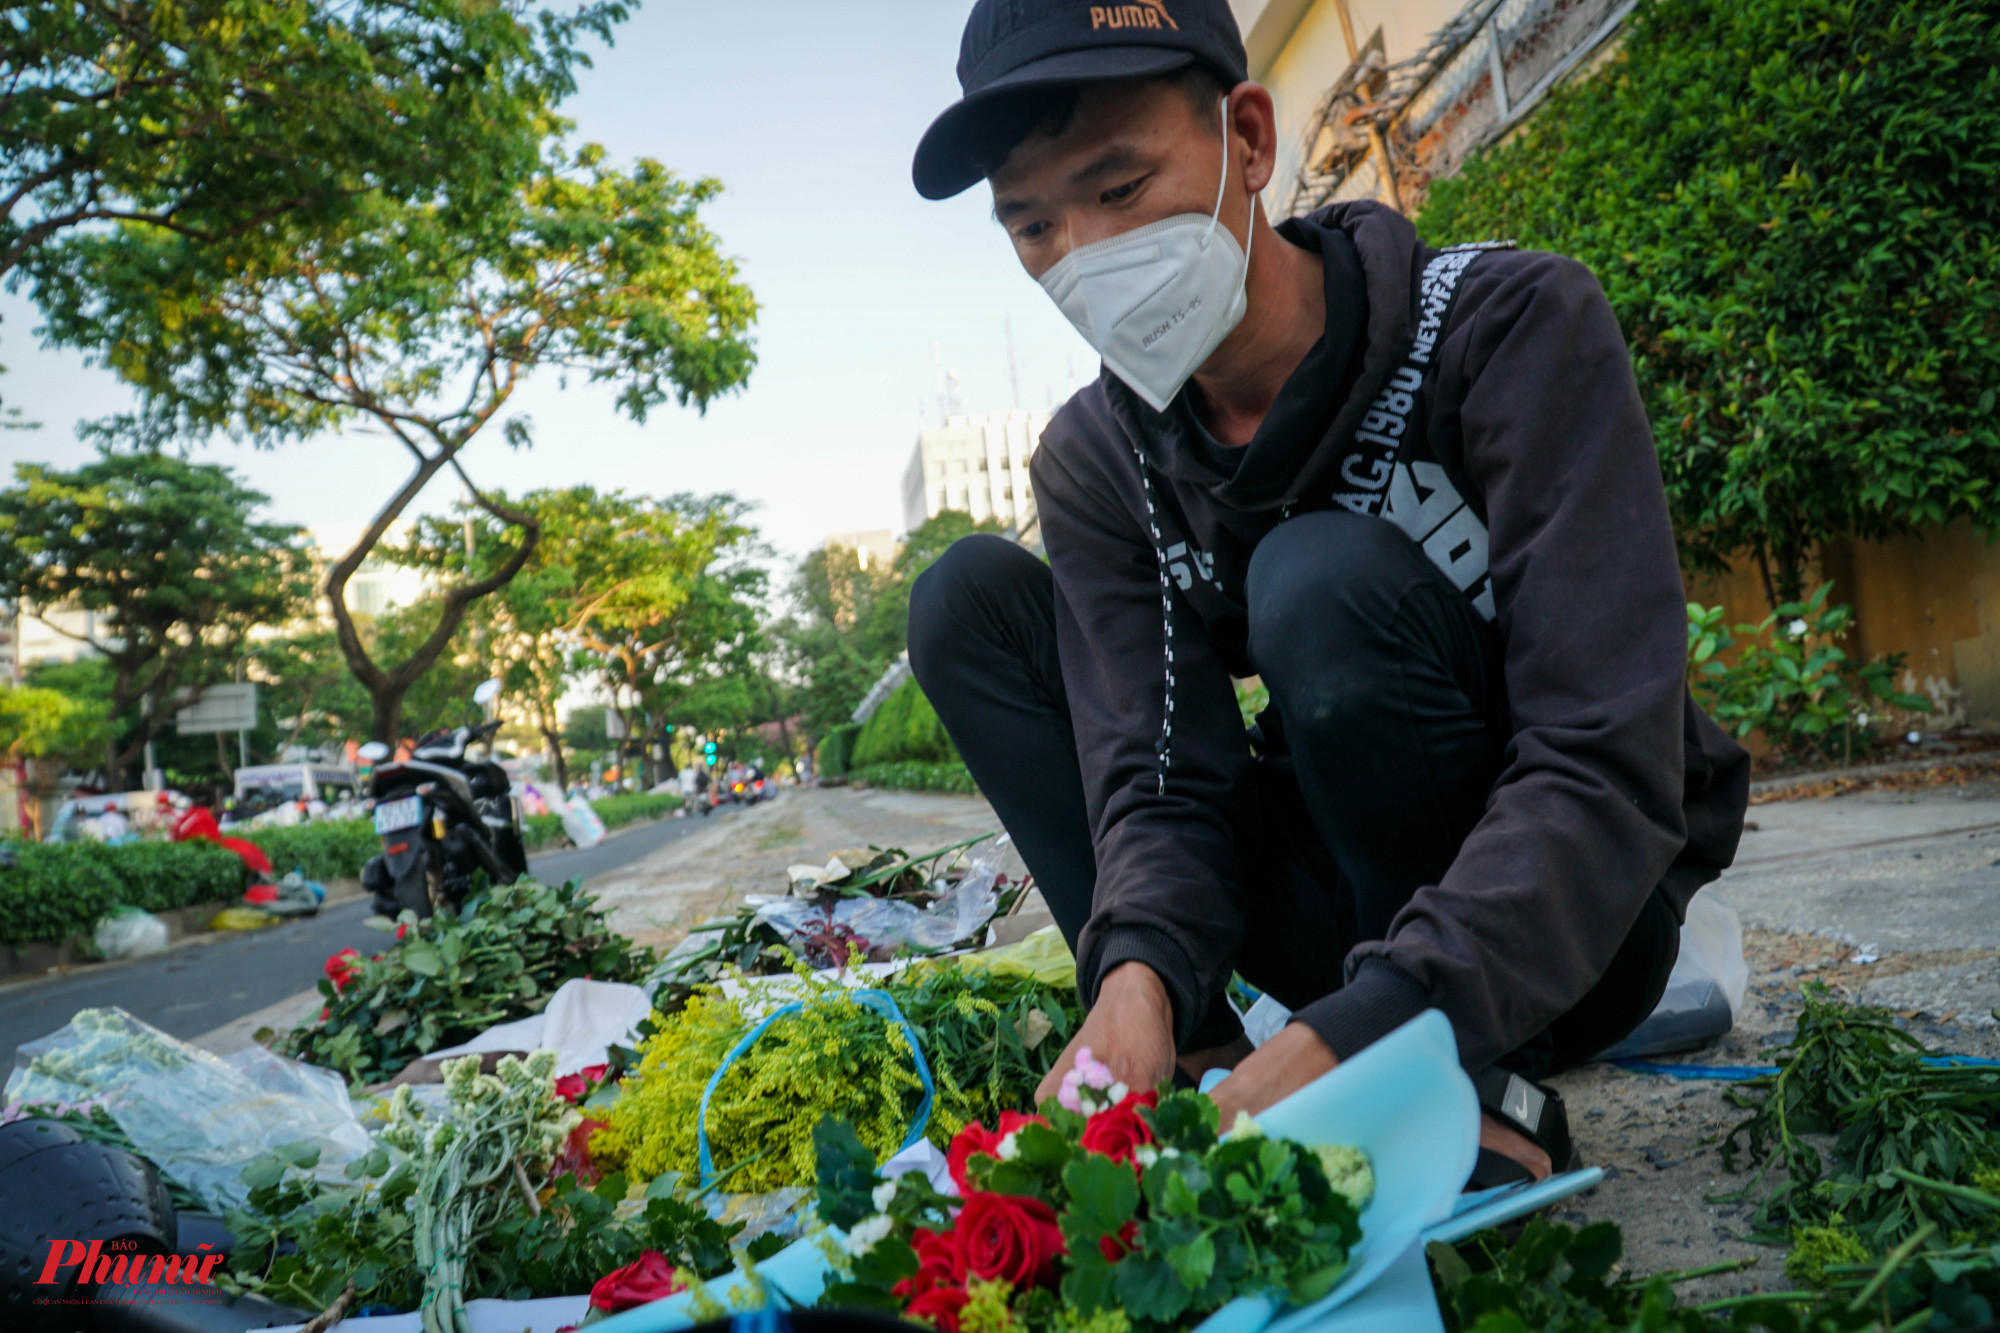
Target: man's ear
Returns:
[[1253, 119]]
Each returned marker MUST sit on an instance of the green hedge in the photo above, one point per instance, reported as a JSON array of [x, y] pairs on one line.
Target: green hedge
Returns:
[[918, 777], [56, 890], [836, 750], [331, 849], [905, 729], [618, 811]]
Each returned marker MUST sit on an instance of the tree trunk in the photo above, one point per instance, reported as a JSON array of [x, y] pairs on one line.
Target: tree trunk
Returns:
[[386, 724], [554, 739]]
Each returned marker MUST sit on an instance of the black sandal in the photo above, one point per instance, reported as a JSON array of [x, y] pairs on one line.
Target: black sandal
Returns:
[[1535, 1111]]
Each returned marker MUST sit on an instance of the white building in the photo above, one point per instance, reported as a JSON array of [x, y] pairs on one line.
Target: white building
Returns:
[[378, 585], [977, 465]]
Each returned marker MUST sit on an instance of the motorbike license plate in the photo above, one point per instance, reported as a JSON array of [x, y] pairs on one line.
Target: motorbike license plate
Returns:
[[407, 812]]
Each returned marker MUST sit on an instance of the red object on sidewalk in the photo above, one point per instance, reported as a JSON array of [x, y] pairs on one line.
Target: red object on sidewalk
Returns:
[[198, 824]]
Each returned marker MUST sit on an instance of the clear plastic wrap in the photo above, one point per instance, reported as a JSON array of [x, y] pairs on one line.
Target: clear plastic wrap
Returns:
[[959, 913], [199, 1118]]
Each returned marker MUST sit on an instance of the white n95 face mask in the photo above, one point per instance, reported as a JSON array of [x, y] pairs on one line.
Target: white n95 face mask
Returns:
[[1158, 300]]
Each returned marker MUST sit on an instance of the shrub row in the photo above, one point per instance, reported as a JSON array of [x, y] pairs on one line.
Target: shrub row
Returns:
[[331, 849], [904, 729], [56, 890], [53, 891], [912, 776]]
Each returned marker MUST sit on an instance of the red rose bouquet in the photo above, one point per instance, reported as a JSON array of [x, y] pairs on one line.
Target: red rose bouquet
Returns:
[[1110, 1210]]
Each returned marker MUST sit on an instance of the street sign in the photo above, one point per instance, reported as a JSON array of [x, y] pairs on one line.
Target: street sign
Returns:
[[217, 708]]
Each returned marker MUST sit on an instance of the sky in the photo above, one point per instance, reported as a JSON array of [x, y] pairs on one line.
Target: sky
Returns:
[[808, 113]]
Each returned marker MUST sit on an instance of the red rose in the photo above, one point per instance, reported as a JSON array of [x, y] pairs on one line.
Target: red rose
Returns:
[[937, 1265], [974, 1138], [1013, 1120], [571, 1087], [1008, 1237], [1117, 1247], [646, 1279], [939, 1308], [341, 967], [401, 926], [1118, 1132], [573, 1158]]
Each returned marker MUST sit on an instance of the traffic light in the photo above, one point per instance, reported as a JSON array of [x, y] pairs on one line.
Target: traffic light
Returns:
[[708, 753]]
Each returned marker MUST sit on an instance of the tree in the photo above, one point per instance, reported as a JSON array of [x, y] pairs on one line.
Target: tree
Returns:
[[307, 689], [645, 594], [169, 552], [50, 733], [850, 620], [215, 119], [423, 324], [1794, 207]]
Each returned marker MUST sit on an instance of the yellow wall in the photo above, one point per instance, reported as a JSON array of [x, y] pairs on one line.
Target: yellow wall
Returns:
[[1934, 597]]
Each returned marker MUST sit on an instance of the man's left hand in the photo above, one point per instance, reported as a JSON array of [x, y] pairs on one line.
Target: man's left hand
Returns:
[[1274, 1071]]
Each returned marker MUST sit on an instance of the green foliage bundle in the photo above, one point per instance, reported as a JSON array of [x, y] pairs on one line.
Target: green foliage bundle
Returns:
[[1794, 207], [501, 956], [905, 728], [1792, 681], [990, 1038], [328, 849], [914, 776], [57, 890], [1916, 1146], [302, 1241], [540, 831], [833, 1057]]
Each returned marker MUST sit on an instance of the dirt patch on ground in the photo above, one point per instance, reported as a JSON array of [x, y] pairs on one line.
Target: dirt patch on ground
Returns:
[[1659, 1138]]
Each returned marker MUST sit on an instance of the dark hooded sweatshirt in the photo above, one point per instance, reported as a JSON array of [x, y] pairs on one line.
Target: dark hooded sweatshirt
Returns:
[[1614, 783]]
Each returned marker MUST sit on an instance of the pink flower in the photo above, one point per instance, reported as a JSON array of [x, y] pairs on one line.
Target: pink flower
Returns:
[[1087, 1072]]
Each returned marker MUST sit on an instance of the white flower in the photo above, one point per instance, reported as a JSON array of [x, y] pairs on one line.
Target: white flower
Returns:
[[884, 1194], [866, 1233], [1007, 1150], [1244, 1128], [1146, 1155], [1861, 719], [1797, 629], [1117, 1093]]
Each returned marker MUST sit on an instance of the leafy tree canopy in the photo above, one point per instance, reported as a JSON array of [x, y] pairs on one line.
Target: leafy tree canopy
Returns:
[[849, 621], [217, 119], [171, 556], [1794, 207]]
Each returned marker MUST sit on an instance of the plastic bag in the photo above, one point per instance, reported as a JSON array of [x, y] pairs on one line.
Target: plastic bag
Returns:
[[199, 1118], [959, 913], [241, 918], [1043, 957], [127, 932], [1705, 990], [585, 829]]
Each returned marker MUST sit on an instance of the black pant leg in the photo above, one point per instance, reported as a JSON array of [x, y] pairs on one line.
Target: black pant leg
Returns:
[[1389, 697], [983, 648], [1391, 711]]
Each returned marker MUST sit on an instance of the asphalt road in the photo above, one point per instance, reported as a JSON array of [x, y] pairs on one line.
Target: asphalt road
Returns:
[[213, 979]]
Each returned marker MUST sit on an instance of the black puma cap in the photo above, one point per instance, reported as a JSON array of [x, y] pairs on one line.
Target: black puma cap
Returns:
[[1011, 46]]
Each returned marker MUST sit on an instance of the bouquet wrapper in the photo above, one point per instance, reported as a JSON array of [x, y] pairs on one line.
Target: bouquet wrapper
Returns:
[[1404, 1101]]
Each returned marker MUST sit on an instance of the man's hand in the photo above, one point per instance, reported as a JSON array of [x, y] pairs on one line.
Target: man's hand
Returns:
[[1130, 1029], [1273, 1072]]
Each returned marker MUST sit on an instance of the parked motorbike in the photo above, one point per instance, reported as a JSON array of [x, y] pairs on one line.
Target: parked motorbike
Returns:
[[445, 815]]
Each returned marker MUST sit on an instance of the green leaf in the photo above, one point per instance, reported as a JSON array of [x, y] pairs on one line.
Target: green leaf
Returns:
[[1194, 1262], [846, 1173], [1149, 1288], [1103, 1197]]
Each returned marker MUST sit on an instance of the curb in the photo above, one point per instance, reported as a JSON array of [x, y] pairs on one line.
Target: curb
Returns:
[[1862, 772], [32, 959]]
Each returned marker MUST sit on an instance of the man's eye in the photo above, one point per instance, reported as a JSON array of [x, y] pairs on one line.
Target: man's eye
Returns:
[[1117, 192], [1032, 231]]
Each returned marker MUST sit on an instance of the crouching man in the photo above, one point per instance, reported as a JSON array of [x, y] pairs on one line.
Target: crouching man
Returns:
[[1411, 489]]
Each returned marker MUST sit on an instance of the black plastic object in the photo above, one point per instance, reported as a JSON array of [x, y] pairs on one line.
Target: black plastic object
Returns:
[[55, 1185]]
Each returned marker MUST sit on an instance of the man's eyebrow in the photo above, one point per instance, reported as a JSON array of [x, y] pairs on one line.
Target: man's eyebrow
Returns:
[[1116, 158]]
